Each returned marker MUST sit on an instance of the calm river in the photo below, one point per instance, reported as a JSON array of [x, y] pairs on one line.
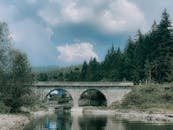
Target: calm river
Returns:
[[67, 121]]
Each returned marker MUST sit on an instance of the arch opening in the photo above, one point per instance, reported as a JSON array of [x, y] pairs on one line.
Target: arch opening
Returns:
[[92, 97], [59, 97]]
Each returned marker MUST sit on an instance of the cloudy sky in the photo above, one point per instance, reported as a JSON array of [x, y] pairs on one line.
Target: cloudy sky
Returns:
[[67, 32]]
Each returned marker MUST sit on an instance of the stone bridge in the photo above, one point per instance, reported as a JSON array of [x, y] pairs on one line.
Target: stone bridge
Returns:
[[113, 91]]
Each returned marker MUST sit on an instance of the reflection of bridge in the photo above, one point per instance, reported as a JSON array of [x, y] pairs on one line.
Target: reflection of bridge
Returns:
[[113, 91]]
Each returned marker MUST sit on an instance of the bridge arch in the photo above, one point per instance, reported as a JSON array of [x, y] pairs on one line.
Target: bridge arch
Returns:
[[60, 95], [95, 97]]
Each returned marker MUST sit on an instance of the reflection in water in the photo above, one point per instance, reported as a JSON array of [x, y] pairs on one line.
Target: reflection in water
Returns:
[[64, 121], [147, 126], [59, 121], [92, 123]]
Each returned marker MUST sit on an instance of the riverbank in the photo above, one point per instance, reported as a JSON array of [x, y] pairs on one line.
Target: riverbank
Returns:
[[134, 115], [13, 122], [18, 121]]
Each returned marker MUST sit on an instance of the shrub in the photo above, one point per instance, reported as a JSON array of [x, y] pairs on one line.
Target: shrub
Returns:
[[149, 96], [4, 108]]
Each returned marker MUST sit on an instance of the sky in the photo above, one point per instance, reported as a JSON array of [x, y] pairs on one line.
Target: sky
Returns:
[[67, 32]]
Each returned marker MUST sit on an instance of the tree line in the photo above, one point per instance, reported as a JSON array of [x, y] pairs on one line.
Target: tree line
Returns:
[[146, 58], [15, 75]]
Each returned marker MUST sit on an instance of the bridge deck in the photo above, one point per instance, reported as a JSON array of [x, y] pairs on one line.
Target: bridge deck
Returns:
[[84, 84]]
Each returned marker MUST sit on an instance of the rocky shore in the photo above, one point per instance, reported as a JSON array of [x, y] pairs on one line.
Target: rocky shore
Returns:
[[13, 122], [18, 121]]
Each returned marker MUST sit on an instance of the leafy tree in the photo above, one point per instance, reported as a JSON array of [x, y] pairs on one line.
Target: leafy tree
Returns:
[[4, 51], [43, 77], [20, 78], [60, 76], [15, 72]]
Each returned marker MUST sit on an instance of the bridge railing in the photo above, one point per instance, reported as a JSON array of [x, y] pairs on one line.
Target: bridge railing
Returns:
[[130, 84]]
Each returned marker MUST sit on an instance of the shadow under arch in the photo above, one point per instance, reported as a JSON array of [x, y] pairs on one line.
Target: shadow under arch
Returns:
[[59, 96], [92, 97], [92, 122]]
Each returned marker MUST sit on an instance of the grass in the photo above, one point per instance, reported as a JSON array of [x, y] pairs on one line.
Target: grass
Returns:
[[153, 96]]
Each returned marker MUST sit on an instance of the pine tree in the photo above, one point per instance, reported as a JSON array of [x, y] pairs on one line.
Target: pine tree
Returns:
[[140, 55], [83, 73], [94, 71], [162, 60], [109, 64], [130, 61]]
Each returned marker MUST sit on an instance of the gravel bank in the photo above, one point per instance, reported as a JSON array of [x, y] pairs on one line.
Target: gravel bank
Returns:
[[18, 122], [13, 122]]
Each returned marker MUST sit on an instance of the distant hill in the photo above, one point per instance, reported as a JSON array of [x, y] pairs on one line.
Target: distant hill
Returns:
[[39, 69], [44, 68]]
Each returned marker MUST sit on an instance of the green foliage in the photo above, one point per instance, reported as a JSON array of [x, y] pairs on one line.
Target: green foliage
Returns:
[[15, 73], [163, 55], [149, 96], [115, 105], [94, 71], [43, 77], [113, 65], [150, 56], [4, 108], [84, 70], [71, 73]]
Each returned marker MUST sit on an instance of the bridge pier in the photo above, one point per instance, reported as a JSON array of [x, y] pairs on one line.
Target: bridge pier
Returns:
[[75, 104]]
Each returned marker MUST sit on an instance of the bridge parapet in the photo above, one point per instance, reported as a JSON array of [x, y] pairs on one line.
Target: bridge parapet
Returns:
[[85, 84]]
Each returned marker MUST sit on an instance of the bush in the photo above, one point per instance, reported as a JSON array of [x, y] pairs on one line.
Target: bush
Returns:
[[115, 105], [149, 96], [3, 108]]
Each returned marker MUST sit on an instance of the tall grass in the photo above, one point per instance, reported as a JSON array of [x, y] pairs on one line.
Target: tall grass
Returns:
[[148, 96]]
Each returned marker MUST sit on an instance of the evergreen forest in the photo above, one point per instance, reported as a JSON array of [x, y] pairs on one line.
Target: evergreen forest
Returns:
[[148, 57]]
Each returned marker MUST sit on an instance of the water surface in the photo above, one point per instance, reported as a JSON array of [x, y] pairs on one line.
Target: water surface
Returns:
[[66, 121]]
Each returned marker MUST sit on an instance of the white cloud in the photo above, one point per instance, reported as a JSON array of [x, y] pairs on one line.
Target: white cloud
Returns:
[[35, 40], [73, 13], [8, 13], [76, 53], [57, 12], [121, 15], [110, 16], [49, 14], [29, 35]]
